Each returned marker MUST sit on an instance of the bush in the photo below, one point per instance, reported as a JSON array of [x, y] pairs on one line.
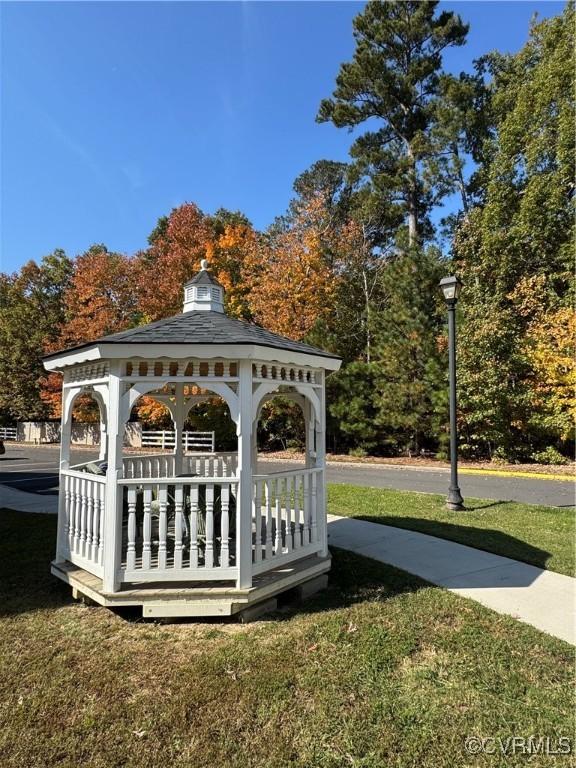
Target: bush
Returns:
[[549, 455], [359, 453]]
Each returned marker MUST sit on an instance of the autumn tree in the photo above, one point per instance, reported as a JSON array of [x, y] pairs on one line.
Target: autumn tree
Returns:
[[101, 297], [235, 243], [290, 285], [32, 307], [177, 245]]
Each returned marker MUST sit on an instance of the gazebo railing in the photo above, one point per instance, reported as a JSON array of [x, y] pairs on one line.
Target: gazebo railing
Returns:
[[185, 528], [179, 529], [149, 465], [285, 517], [82, 524]]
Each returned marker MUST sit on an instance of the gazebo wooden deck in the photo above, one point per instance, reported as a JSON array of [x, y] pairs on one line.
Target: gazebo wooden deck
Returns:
[[192, 534]]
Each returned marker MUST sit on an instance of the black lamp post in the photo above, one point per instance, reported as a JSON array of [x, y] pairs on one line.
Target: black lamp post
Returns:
[[451, 287]]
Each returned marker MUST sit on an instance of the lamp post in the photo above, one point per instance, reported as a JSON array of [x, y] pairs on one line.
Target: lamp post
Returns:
[[450, 287]]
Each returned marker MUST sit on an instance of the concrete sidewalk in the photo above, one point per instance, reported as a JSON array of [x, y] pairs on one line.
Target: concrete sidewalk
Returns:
[[544, 599], [22, 501]]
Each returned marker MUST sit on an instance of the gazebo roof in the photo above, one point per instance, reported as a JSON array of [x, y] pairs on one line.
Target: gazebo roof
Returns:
[[208, 328]]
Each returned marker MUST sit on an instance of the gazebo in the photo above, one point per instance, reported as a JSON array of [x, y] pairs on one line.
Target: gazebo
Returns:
[[192, 534]]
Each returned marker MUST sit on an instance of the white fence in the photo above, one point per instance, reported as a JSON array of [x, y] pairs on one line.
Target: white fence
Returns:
[[8, 433], [191, 441]]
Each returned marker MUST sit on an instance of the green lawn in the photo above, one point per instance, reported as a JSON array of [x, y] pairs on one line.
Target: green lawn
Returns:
[[381, 670], [542, 536]]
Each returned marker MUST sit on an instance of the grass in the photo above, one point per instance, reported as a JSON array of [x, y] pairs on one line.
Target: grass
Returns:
[[542, 536], [381, 670]]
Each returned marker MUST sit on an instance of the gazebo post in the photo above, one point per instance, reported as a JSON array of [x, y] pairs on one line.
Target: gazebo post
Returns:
[[308, 433], [178, 428], [65, 436], [113, 508], [321, 463], [103, 438], [245, 470]]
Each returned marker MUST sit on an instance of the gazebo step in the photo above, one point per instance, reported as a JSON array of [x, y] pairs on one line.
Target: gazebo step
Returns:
[[194, 599]]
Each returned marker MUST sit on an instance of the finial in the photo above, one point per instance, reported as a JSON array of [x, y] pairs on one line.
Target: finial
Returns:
[[204, 264]]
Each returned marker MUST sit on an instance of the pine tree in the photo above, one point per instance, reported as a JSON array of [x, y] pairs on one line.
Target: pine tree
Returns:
[[394, 79]]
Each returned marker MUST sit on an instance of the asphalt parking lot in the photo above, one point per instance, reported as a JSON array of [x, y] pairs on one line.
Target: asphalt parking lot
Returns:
[[35, 469]]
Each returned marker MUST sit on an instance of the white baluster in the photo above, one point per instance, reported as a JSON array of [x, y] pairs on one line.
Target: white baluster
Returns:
[[162, 526], [178, 507], [209, 550], [83, 513], [147, 529], [313, 531], [288, 510], [268, 502], [131, 550], [96, 522], [278, 517], [194, 526], [257, 503], [225, 527], [90, 489], [306, 533], [297, 529], [77, 514], [102, 504], [75, 497], [67, 508]]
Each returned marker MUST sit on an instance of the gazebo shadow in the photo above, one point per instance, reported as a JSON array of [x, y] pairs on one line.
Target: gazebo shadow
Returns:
[[26, 549]]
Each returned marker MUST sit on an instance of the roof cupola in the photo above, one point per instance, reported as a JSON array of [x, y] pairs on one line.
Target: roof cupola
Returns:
[[203, 292]]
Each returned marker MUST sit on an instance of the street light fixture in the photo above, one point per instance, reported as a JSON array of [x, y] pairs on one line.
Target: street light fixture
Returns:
[[451, 287]]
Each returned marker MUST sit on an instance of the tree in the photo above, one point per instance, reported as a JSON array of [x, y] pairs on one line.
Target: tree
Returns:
[[177, 245], [394, 78], [235, 244], [290, 285], [31, 312], [101, 297], [514, 247], [410, 354]]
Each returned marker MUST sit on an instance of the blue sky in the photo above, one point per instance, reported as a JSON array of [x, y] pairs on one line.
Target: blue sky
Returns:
[[114, 113]]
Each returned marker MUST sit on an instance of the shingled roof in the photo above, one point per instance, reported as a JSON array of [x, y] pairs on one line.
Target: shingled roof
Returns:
[[204, 277], [202, 328]]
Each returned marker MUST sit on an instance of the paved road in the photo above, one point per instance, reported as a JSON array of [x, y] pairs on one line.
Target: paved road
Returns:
[[36, 469]]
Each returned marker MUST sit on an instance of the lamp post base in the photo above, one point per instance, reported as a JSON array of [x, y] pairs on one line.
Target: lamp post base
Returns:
[[454, 502]]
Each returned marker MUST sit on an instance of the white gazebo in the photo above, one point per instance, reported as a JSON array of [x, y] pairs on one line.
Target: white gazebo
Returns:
[[192, 534]]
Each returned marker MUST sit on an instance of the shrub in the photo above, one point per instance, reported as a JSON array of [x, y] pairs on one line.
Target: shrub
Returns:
[[549, 455], [359, 453]]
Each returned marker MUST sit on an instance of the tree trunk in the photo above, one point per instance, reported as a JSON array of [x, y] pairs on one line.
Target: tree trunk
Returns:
[[412, 198], [460, 178], [367, 304]]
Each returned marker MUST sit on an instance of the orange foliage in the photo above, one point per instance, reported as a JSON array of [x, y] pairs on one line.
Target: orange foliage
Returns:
[[152, 412], [290, 284], [171, 261], [101, 297], [236, 246]]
